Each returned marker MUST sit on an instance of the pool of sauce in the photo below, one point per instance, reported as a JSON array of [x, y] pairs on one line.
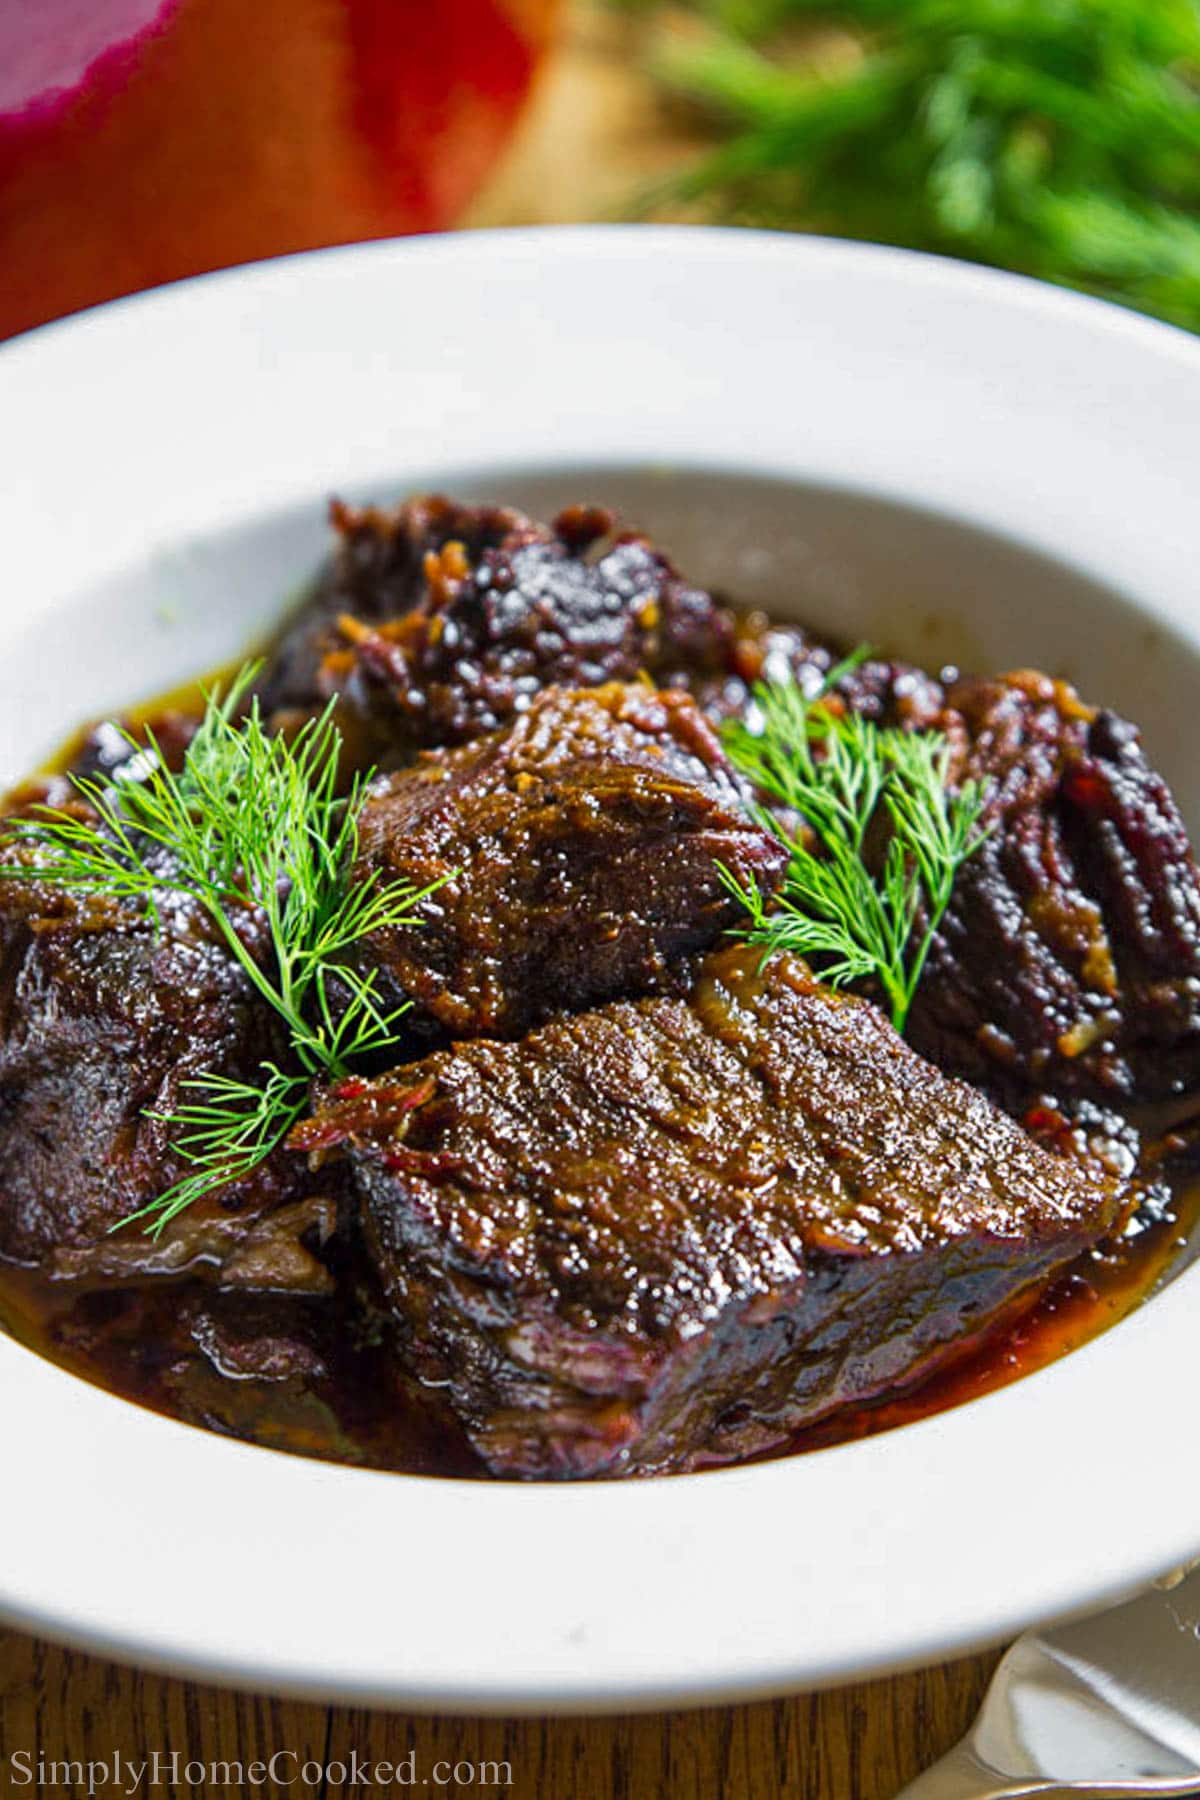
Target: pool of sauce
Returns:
[[337, 1393], [333, 1389]]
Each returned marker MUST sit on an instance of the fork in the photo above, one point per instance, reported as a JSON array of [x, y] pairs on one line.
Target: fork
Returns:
[[1106, 1706]]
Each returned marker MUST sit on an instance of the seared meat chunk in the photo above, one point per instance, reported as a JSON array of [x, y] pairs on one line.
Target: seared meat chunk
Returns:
[[1069, 958], [436, 621], [102, 1022], [439, 620], [889, 692], [474, 626], [671, 1232], [378, 571], [1106, 1143], [580, 851]]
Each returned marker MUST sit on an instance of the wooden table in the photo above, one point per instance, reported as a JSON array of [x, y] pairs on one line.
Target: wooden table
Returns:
[[859, 1743], [593, 135]]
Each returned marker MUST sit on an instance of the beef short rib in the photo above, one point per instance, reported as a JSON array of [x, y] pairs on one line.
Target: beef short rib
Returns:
[[377, 573], [1069, 958], [102, 1023], [672, 1232], [439, 622], [435, 621], [580, 853]]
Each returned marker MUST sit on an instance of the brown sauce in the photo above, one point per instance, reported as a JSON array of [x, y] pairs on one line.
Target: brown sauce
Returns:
[[338, 1395], [1087, 1299], [335, 1393]]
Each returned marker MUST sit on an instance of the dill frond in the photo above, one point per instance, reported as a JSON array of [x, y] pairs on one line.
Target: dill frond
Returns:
[[858, 917], [254, 830]]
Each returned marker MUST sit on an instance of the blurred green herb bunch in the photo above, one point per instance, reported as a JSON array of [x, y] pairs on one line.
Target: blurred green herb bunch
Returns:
[[1057, 137]]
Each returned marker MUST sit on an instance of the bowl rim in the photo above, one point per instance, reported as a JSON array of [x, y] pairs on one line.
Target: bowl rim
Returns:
[[210, 1558]]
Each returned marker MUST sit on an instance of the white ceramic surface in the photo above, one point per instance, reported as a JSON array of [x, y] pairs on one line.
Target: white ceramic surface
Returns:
[[955, 462]]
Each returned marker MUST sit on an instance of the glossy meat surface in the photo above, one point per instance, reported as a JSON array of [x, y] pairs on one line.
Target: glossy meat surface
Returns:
[[101, 1025], [436, 620], [1070, 956], [580, 853], [671, 1232], [760, 649], [439, 623], [378, 572]]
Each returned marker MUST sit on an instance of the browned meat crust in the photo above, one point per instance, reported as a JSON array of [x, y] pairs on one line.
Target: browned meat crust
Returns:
[[102, 1023], [436, 621], [1070, 959], [377, 573], [889, 692], [439, 623], [670, 1233], [580, 850], [1070, 955]]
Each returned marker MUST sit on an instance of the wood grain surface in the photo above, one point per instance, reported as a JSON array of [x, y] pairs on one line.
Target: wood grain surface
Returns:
[[858, 1743], [594, 135]]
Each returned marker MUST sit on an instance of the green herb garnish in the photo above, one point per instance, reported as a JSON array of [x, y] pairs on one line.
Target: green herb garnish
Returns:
[[861, 909], [254, 830], [1057, 137]]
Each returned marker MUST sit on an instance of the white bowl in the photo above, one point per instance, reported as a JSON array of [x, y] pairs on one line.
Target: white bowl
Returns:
[[948, 461]]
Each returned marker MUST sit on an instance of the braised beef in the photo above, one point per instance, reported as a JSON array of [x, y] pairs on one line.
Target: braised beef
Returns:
[[440, 623], [761, 649], [123, 749], [378, 572], [580, 851], [1108, 1145], [1069, 958], [671, 1232], [435, 621], [112, 750], [102, 1023]]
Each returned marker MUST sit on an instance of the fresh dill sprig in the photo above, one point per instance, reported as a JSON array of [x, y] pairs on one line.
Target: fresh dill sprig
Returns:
[[1062, 140], [227, 1132], [253, 829], [861, 911]]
